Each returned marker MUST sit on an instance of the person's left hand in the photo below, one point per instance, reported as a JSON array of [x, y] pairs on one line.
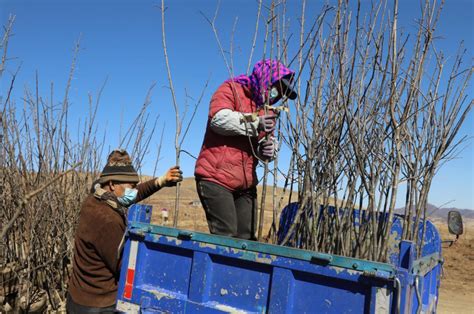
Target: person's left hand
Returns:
[[171, 177], [268, 147]]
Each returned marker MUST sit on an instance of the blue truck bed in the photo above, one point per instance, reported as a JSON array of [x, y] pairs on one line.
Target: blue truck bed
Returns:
[[177, 271]]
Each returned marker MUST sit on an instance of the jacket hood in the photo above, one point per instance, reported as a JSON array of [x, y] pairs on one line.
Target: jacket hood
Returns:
[[265, 73]]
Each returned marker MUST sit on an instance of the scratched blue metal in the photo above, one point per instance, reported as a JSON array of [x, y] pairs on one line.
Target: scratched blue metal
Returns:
[[188, 276], [252, 246], [139, 213], [432, 241], [431, 238], [420, 278], [359, 217], [180, 271]]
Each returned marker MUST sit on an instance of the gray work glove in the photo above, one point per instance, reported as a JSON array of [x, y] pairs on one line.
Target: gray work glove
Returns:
[[268, 147], [170, 178], [267, 122]]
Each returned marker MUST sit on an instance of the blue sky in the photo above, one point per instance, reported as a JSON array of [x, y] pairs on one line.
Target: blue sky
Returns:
[[121, 41]]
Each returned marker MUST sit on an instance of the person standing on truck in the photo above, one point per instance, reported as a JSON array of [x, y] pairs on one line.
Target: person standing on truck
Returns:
[[102, 221], [239, 133]]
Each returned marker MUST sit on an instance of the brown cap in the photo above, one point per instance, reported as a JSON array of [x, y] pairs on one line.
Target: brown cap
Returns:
[[119, 168]]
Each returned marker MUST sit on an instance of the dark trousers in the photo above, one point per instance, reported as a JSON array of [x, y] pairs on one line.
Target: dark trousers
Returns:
[[228, 213], [74, 308]]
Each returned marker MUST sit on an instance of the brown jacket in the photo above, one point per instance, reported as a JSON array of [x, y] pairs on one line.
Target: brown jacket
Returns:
[[96, 266]]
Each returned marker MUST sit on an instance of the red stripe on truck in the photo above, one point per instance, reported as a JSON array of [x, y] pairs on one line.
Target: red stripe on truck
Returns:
[[127, 291]]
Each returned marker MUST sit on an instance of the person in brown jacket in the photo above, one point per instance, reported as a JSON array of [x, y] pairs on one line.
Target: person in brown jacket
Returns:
[[102, 222]]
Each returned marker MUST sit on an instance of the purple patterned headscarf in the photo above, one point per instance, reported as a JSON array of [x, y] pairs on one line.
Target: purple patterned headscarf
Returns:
[[265, 73]]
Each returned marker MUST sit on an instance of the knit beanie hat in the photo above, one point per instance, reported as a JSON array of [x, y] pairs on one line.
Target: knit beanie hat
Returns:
[[119, 168]]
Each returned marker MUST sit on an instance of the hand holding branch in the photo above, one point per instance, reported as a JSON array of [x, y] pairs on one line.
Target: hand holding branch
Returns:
[[170, 178]]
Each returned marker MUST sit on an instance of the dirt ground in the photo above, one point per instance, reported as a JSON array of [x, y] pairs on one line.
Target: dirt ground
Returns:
[[457, 283]]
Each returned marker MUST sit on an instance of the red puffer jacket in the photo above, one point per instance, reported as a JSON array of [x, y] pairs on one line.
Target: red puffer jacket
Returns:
[[228, 160]]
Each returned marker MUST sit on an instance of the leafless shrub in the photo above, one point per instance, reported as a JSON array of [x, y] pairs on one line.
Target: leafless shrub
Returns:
[[46, 172], [374, 113], [180, 113]]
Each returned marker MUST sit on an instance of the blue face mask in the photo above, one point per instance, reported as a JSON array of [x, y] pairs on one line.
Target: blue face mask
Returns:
[[128, 197], [273, 94]]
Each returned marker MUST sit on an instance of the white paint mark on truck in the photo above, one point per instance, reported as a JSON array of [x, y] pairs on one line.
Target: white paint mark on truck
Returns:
[[382, 301], [207, 245], [127, 307], [229, 309]]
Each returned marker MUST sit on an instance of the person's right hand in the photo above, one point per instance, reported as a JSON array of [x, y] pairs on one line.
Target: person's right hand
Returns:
[[171, 177], [267, 122]]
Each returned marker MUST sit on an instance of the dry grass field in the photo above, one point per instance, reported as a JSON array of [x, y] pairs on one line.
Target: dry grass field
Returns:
[[457, 286]]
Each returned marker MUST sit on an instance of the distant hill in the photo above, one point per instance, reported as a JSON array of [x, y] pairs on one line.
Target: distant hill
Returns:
[[442, 213], [193, 214]]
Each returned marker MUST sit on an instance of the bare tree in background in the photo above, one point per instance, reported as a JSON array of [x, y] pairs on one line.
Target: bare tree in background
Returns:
[[46, 172]]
